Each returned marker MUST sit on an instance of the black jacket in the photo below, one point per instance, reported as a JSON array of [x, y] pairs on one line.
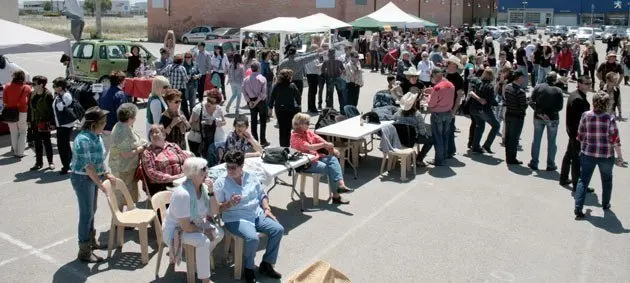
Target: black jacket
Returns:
[[547, 99], [515, 101], [576, 105], [284, 97]]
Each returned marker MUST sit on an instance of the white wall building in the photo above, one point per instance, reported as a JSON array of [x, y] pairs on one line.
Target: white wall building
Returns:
[[37, 6], [120, 7], [9, 10]]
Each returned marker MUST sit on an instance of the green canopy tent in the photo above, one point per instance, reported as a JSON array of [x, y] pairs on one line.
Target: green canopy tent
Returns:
[[426, 23], [367, 23]]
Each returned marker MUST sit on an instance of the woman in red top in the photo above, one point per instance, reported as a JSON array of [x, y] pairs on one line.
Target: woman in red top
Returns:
[[305, 140], [16, 94], [162, 161]]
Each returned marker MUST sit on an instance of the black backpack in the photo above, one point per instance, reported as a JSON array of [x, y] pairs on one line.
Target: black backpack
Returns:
[[328, 117], [281, 155]]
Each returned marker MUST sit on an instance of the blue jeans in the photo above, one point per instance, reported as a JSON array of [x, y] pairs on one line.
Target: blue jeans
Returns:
[[552, 132], [452, 149], [482, 117], [86, 192], [236, 94], [440, 127], [534, 76], [339, 84], [330, 167], [523, 68], [248, 232], [606, 173], [191, 96], [541, 77]]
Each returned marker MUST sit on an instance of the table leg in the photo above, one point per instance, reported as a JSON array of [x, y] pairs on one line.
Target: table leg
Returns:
[[295, 175], [349, 160], [275, 183]]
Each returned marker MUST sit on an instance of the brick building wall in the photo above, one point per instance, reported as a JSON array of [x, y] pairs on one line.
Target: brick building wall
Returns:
[[479, 10], [186, 14]]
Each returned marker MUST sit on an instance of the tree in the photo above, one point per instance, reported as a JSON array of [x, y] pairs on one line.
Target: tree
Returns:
[[47, 6], [89, 5]]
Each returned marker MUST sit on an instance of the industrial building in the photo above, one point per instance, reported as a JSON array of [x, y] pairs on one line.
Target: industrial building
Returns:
[[564, 12]]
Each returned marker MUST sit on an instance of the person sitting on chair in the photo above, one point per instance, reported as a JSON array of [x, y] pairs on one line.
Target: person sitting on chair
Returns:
[[162, 161], [409, 115], [191, 212], [245, 210]]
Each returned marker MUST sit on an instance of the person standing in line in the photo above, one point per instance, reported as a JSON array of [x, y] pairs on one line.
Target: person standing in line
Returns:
[[576, 105], [192, 84], [537, 57], [546, 100], [374, 46], [453, 65], [313, 74], [441, 97], [255, 93], [219, 64], [41, 103], [516, 108], [63, 121], [483, 98], [284, 98], [598, 135], [297, 65], [178, 77], [236, 74], [590, 59], [203, 66], [110, 101], [332, 69], [16, 95], [354, 74], [521, 61]]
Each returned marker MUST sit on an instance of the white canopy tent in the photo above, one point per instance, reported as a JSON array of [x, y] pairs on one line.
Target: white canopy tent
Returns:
[[395, 16], [323, 21], [22, 39]]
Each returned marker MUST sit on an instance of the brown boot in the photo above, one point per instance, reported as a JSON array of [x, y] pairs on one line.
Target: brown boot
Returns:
[[94, 244], [85, 254]]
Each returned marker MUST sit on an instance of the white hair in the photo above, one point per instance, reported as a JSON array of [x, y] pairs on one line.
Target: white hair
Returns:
[[193, 165]]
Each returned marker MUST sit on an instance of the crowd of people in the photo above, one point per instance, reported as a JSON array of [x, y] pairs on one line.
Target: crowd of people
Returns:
[[450, 74]]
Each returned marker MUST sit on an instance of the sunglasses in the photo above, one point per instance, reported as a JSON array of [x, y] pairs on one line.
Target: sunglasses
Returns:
[[232, 166]]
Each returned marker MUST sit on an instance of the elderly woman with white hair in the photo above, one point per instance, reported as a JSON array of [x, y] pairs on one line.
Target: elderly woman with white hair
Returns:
[[189, 219]]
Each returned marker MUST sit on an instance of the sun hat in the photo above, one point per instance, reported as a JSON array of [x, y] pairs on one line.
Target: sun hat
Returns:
[[408, 100], [456, 61], [412, 71], [611, 54], [319, 272]]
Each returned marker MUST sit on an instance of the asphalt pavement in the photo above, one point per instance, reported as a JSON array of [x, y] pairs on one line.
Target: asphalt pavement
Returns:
[[475, 220]]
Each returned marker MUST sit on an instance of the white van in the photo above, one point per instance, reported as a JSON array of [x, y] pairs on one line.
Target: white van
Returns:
[[586, 34]]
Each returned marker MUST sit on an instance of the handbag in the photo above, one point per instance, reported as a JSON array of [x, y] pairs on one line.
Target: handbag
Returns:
[[45, 127], [207, 84], [12, 114]]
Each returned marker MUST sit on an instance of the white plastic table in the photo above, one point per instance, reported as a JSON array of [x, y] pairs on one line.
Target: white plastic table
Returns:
[[352, 130]]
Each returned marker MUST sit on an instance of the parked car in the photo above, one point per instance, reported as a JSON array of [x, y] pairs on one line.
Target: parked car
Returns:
[[230, 47], [560, 31], [599, 32], [548, 30], [508, 31], [610, 30], [519, 30], [94, 60], [532, 29], [224, 33], [586, 34], [494, 31], [572, 31], [196, 34]]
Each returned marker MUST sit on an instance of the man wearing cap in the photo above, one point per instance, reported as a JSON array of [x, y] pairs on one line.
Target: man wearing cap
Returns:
[[611, 65], [441, 97], [516, 107], [164, 61], [203, 65], [453, 65], [576, 105], [546, 100]]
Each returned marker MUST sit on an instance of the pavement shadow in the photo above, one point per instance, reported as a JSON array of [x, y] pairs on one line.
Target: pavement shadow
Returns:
[[519, 170], [368, 170], [291, 217], [76, 271], [548, 175], [9, 160], [45, 177], [454, 162], [608, 222], [309, 207], [442, 172], [483, 158]]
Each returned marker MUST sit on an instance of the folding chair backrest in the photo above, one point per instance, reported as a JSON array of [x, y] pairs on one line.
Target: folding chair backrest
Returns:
[[119, 186], [159, 202], [407, 135]]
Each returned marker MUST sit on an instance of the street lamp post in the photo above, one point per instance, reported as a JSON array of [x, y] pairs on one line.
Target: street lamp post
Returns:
[[592, 13], [524, 12]]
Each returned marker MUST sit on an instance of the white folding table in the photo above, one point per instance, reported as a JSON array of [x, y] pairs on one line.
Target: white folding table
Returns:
[[352, 130]]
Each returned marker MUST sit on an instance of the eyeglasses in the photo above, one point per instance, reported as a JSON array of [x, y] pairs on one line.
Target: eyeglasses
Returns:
[[232, 166]]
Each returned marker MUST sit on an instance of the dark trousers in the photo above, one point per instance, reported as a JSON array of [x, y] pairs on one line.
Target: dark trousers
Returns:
[[452, 149], [260, 110], [471, 131], [320, 84], [63, 145], [222, 76], [300, 87], [285, 118], [313, 82], [200, 87], [591, 73], [513, 129], [375, 60], [571, 162], [481, 118], [427, 143], [183, 105], [352, 97], [42, 141]]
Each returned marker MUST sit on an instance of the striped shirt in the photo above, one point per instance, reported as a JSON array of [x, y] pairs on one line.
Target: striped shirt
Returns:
[[177, 76], [88, 149], [598, 134]]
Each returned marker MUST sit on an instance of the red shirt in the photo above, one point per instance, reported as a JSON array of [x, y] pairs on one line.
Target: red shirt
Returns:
[[300, 141], [162, 163], [443, 96], [565, 60], [16, 95]]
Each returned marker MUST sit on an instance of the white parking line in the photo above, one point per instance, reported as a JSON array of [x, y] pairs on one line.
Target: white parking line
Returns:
[[352, 230]]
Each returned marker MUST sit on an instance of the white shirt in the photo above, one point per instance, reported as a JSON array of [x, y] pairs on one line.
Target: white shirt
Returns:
[[180, 208], [529, 52], [7, 72], [217, 116], [425, 67], [59, 105], [214, 63]]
